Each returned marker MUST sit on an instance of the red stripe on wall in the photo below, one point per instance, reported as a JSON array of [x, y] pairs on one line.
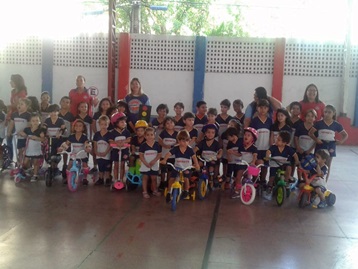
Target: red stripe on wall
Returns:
[[123, 65], [278, 68]]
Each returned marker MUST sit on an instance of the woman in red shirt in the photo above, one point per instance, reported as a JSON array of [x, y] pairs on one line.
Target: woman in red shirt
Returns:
[[311, 101], [18, 92], [81, 94]]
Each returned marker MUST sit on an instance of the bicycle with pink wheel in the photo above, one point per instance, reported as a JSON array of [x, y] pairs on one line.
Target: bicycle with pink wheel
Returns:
[[249, 185]]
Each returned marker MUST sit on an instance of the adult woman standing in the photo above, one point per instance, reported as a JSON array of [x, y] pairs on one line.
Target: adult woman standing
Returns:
[[260, 93], [311, 101], [81, 94], [134, 99]]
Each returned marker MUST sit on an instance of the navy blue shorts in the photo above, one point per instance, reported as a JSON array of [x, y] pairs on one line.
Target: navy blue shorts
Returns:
[[175, 174], [150, 173], [329, 145], [104, 165], [115, 155], [21, 143]]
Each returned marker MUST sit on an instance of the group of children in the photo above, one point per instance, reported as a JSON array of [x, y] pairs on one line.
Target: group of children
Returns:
[[222, 140]]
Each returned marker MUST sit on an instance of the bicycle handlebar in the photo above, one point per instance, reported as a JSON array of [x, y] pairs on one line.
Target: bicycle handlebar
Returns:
[[246, 163], [73, 154], [204, 160], [179, 169]]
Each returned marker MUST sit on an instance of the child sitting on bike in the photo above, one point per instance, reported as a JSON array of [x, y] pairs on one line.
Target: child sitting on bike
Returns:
[[210, 150], [283, 154], [247, 151], [183, 158], [78, 141], [319, 182]]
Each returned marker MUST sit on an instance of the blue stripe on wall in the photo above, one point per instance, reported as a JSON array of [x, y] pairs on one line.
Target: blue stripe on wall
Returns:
[[47, 66], [199, 69]]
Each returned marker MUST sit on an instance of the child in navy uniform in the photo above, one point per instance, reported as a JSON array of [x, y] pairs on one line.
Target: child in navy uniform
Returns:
[[189, 119], [262, 124], [136, 141], [78, 141], [87, 119], [158, 122], [200, 116], [167, 140], [120, 136], [282, 123], [283, 153], [326, 130], [68, 118], [35, 135], [247, 151], [20, 120], [211, 116], [184, 156], [102, 148], [179, 122], [210, 150], [149, 154], [238, 106], [223, 118]]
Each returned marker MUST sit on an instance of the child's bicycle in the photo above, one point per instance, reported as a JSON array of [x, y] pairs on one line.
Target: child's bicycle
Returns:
[[249, 186], [308, 194], [133, 177], [203, 180], [118, 185], [176, 189], [281, 189], [76, 174], [7, 161], [52, 161]]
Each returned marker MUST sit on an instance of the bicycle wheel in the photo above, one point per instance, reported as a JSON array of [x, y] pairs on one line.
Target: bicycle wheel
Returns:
[[331, 199], [175, 199], [48, 178], [71, 181], [247, 194], [280, 195], [303, 200], [202, 188]]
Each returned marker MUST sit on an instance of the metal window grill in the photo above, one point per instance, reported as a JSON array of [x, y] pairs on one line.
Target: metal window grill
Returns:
[[25, 52], [82, 51], [317, 60], [242, 56], [170, 53]]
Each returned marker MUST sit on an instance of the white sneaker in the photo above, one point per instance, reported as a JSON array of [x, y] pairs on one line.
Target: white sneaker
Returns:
[[34, 178], [267, 195]]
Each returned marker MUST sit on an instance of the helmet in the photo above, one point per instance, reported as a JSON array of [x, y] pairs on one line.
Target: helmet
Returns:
[[117, 117], [141, 124], [308, 162], [252, 131]]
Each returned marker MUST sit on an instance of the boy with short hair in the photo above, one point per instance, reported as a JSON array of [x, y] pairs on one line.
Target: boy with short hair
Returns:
[[200, 117], [283, 153], [157, 123], [189, 119], [211, 116], [223, 118], [319, 183]]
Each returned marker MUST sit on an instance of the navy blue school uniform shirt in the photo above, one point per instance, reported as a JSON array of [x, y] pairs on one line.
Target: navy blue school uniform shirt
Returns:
[[283, 156], [263, 129], [53, 128], [223, 123], [208, 152], [327, 133], [77, 145], [158, 127], [234, 146], [276, 130], [21, 121], [241, 120], [200, 122], [182, 159], [88, 122], [304, 140], [120, 136], [247, 153], [149, 154], [179, 125], [169, 140], [68, 118], [136, 143], [102, 144]]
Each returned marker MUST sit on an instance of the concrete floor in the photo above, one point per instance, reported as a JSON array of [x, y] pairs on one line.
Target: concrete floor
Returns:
[[44, 227]]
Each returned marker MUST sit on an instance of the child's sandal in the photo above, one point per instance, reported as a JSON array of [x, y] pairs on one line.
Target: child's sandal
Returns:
[[146, 195]]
